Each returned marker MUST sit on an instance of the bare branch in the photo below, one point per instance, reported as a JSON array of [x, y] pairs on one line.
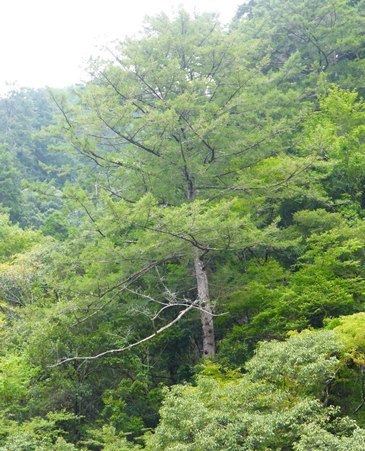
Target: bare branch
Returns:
[[130, 346]]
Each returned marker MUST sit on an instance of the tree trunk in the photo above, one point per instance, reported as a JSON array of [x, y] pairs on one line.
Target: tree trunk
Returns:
[[206, 314]]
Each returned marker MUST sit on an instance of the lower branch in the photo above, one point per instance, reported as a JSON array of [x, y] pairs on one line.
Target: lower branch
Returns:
[[132, 345]]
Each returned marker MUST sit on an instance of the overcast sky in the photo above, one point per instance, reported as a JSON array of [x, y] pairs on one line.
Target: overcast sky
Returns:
[[46, 42]]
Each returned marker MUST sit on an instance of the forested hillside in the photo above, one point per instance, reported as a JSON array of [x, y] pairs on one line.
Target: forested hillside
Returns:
[[182, 261], [30, 167]]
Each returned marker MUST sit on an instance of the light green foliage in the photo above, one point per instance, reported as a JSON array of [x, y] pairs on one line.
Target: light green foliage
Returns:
[[10, 197], [330, 275], [308, 37], [38, 434], [14, 240], [327, 282], [351, 330], [109, 440], [15, 378], [304, 363], [337, 133], [314, 437], [316, 221], [272, 406]]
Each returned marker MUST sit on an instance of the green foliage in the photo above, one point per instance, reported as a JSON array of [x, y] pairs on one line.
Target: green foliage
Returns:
[[132, 406], [303, 364], [337, 132], [351, 330], [228, 160], [16, 375], [308, 37], [10, 197], [36, 434], [14, 240], [314, 437], [272, 406], [29, 168], [109, 440]]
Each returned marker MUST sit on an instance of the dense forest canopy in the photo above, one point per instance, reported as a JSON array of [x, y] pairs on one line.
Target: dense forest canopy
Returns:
[[182, 257]]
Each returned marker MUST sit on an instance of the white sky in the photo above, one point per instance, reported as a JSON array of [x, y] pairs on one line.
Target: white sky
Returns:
[[46, 42]]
